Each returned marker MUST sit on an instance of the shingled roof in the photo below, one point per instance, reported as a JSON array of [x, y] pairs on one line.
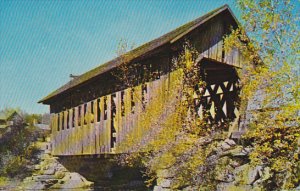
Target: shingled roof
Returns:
[[138, 52]]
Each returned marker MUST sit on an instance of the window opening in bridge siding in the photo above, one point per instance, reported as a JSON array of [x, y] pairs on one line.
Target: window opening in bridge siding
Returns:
[[84, 113], [63, 121], [92, 111], [68, 119], [113, 105], [58, 122], [157, 73], [197, 95], [146, 76], [132, 100], [154, 71], [73, 117], [98, 110], [105, 108], [113, 115], [144, 93], [122, 104], [79, 115]]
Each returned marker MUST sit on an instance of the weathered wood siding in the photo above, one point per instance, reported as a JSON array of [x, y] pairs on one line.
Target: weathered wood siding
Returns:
[[102, 120], [96, 136]]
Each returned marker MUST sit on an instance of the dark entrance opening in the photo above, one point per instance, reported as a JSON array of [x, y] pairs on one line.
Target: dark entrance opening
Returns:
[[219, 98]]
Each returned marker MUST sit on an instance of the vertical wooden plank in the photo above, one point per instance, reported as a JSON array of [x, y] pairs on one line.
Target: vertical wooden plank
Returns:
[[76, 142], [59, 143], [99, 127], [138, 112], [71, 133], [57, 135], [52, 117], [228, 57], [65, 138], [74, 130], [67, 132], [118, 117], [105, 127], [219, 50], [96, 129], [214, 51], [108, 129], [235, 59], [102, 126], [88, 128], [96, 126], [123, 117], [126, 118], [60, 134], [54, 143], [205, 54], [53, 131], [81, 132], [92, 136], [62, 141]]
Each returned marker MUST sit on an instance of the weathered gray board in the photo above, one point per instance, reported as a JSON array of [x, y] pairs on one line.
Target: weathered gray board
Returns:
[[94, 137]]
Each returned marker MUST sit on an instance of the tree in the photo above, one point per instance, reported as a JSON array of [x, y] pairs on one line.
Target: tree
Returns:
[[272, 84], [269, 42], [171, 132]]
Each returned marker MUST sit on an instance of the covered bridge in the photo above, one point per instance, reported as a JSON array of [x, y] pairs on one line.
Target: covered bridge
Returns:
[[90, 115]]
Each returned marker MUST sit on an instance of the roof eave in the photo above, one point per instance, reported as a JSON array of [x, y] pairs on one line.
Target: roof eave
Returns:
[[134, 54]]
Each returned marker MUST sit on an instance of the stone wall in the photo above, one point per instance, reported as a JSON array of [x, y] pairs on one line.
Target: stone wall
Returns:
[[50, 174], [105, 172], [231, 170]]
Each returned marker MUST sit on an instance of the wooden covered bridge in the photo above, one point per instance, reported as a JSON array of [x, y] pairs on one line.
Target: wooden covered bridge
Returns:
[[91, 114]]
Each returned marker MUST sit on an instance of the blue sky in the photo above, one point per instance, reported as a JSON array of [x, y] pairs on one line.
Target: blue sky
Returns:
[[42, 42]]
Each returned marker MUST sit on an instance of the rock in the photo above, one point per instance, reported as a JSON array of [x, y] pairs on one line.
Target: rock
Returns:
[[234, 164], [189, 188], [49, 182], [217, 151], [165, 183], [35, 186], [223, 171], [230, 142], [45, 156], [254, 174], [44, 177], [30, 178], [224, 176], [225, 146], [136, 183], [237, 152], [159, 188], [166, 161], [247, 150], [165, 173], [233, 187], [74, 181], [59, 174], [37, 167], [50, 171], [237, 135], [248, 174]]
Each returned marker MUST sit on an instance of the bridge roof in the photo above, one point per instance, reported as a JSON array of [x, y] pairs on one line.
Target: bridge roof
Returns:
[[138, 52]]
